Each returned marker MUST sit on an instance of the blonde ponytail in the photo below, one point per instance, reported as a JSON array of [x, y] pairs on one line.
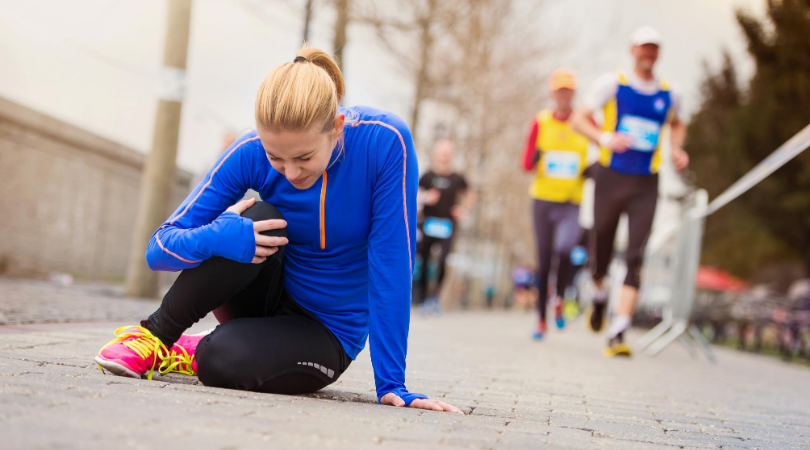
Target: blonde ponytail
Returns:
[[297, 95], [323, 60]]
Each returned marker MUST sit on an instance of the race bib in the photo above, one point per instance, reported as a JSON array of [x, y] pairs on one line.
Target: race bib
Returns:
[[560, 164], [438, 228], [644, 132]]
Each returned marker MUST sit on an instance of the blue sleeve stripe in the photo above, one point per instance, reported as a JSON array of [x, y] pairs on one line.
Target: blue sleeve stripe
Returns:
[[404, 177]]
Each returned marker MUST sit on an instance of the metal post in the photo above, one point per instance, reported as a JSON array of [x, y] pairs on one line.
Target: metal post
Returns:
[[157, 178], [677, 313]]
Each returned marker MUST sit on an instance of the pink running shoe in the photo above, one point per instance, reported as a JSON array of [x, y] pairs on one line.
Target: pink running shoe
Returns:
[[133, 353], [181, 356]]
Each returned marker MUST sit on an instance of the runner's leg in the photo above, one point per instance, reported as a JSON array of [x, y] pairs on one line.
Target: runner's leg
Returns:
[[608, 206], [295, 352], [566, 236], [444, 250], [423, 250], [289, 353], [640, 214], [544, 233], [567, 233], [200, 290], [137, 351], [607, 210]]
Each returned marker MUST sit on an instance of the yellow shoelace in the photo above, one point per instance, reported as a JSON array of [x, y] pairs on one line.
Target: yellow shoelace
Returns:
[[145, 345], [178, 362]]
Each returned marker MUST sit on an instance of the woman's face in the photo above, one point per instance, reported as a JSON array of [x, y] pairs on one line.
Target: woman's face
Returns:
[[301, 156]]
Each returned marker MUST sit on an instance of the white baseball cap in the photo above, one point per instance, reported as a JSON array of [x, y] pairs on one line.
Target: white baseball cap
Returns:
[[646, 35]]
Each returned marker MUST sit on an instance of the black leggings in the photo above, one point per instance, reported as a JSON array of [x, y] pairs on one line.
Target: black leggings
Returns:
[[423, 249], [266, 341], [616, 194]]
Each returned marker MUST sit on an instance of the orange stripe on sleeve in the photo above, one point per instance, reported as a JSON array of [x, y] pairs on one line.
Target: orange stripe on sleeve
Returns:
[[160, 244], [404, 173]]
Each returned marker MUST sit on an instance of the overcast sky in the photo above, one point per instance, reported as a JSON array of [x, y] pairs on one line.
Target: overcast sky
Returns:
[[95, 63]]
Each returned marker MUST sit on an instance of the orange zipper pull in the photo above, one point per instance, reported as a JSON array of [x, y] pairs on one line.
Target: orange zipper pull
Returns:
[[323, 213]]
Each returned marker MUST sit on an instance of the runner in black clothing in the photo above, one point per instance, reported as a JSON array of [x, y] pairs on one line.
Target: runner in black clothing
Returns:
[[446, 199]]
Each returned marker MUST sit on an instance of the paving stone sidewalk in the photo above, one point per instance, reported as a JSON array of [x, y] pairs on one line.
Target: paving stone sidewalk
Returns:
[[559, 393], [37, 301]]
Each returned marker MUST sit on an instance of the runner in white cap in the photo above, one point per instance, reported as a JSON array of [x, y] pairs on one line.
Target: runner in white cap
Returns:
[[636, 106]]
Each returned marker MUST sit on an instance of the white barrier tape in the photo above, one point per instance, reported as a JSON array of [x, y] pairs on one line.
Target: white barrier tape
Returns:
[[787, 151]]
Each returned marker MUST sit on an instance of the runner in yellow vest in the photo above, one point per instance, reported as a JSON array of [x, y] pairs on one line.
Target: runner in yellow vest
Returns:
[[557, 155]]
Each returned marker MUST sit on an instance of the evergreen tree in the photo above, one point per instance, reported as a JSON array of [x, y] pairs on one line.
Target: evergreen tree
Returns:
[[734, 130]]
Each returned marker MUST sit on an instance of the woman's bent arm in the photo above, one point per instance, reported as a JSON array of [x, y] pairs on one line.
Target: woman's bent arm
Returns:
[[200, 228]]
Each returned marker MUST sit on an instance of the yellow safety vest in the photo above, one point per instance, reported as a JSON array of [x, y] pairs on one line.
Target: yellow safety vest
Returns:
[[562, 160]]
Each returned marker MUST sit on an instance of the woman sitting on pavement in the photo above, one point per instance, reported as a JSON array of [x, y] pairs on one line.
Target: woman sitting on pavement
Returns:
[[299, 280]]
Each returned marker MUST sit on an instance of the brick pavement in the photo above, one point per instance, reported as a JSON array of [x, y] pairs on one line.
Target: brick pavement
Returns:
[[516, 394], [36, 301]]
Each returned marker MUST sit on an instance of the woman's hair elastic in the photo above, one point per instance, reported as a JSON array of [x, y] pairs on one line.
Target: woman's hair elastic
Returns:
[[300, 59]]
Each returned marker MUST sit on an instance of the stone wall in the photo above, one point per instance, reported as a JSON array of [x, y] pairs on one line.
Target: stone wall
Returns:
[[68, 198]]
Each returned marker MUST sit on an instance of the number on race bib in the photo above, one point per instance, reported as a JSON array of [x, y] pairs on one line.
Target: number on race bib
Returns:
[[438, 228], [561, 164], [644, 132]]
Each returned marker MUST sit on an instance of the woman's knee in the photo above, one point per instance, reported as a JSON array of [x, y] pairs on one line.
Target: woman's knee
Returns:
[[568, 239], [564, 247], [265, 211], [634, 266]]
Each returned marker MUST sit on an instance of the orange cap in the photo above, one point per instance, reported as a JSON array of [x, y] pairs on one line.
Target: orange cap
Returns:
[[562, 78]]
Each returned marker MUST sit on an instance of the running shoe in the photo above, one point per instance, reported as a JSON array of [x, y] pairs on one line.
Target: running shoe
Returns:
[[541, 331], [571, 309], [571, 306], [433, 304], [617, 347], [423, 308], [559, 320], [597, 319], [181, 357], [133, 353]]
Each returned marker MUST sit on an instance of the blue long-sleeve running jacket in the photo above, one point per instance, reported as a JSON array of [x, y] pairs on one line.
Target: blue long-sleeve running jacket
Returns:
[[351, 235]]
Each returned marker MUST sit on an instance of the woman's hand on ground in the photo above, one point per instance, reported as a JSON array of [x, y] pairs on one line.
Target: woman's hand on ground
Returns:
[[420, 403], [266, 246]]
